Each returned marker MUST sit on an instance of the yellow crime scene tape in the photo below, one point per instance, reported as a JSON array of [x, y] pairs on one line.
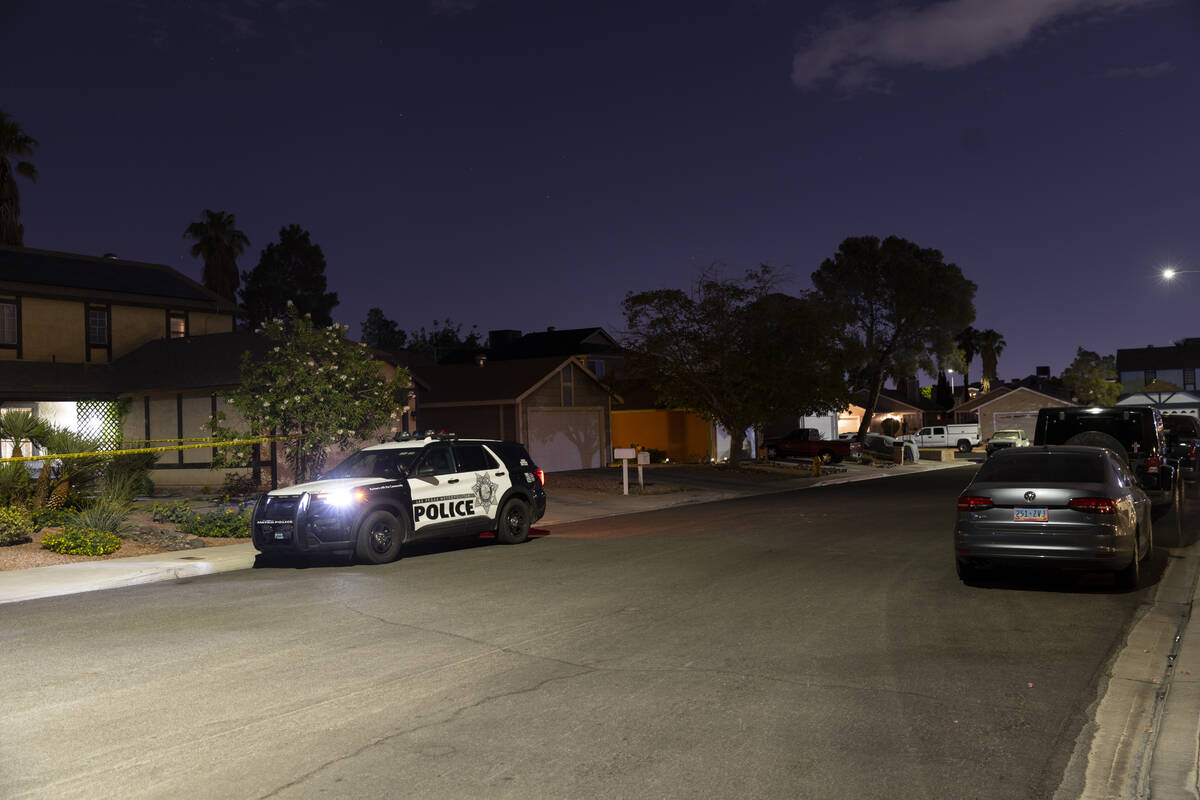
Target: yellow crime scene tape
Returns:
[[93, 454]]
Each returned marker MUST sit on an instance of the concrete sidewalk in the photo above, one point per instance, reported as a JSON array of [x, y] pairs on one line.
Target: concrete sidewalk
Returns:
[[565, 506]]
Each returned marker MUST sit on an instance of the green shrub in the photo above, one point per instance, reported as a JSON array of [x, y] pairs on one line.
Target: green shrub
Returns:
[[16, 526], [103, 514], [50, 518], [177, 513], [79, 541], [128, 475], [15, 483], [230, 523]]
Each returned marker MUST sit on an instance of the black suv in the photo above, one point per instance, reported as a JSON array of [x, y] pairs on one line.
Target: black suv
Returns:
[[1183, 441], [1135, 433], [386, 495]]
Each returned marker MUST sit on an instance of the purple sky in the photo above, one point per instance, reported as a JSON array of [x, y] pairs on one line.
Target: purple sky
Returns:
[[525, 163]]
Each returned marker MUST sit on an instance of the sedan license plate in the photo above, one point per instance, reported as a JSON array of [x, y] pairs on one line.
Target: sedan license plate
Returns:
[[1031, 515]]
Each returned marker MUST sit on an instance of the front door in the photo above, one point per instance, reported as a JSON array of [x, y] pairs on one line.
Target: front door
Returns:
[[443, 502]]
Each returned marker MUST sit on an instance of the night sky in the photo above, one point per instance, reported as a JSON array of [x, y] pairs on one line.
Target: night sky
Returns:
[[525, 163]]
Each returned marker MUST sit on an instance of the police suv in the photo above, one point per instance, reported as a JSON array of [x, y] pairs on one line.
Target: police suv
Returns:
[[388, 494]]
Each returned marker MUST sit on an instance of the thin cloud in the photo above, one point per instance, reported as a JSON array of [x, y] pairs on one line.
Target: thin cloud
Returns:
[[1146, 72], [857, 55]]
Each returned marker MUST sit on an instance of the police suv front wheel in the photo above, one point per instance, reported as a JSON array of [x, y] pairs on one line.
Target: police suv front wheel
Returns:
[[513, 525], [379, 537]]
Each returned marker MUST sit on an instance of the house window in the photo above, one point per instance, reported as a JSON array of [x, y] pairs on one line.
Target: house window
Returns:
[[97, 327], [597, 367], [1189, 378], [176, 325], [8, 324], [1148, 376], [568, 388]]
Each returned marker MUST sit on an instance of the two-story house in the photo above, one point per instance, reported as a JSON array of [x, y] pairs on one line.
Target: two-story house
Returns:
[[1175, 364], [69, 326]]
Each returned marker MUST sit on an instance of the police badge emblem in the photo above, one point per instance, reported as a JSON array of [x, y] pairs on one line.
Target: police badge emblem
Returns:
[[485, 491]]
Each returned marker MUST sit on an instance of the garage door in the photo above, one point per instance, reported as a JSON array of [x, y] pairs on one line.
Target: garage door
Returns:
[[566, 438], [1014, 420]]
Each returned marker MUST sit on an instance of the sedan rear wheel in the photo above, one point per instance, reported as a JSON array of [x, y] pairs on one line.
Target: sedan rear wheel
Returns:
[[1129, 577]]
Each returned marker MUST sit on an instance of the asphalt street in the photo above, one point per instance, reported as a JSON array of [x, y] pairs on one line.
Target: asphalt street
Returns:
[[813, 643]]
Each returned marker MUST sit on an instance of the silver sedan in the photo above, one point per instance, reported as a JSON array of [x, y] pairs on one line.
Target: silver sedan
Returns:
[[1070, 507]]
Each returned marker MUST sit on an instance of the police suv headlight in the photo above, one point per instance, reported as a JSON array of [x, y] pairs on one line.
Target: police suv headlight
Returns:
[[342, 498]]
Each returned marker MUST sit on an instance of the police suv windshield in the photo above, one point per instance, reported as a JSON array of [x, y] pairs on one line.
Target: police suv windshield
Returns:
[[385, 463]]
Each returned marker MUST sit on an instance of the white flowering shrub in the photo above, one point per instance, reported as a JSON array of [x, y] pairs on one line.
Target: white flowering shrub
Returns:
[[316, 386]]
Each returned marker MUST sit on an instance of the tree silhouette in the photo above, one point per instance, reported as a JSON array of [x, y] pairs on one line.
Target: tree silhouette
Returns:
[[219, 243], [17, 144]]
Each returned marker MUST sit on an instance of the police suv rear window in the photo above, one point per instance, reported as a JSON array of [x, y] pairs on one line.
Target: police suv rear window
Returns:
[[473, 458]]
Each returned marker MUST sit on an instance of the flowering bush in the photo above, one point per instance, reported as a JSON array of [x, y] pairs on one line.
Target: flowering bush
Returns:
[[79, 541], [230, 523], [16, 526], [315, 385], [172, 512]]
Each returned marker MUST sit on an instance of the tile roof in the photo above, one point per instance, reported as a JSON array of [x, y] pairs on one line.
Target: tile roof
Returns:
[[568, 342], [71, 271], [193, 362], [496, 381], [47, 380]]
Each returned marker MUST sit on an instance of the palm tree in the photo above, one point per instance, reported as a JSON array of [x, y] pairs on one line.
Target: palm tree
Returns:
[[219, 244], [968, 342], [991, 345], [18, 144], [18, 426]]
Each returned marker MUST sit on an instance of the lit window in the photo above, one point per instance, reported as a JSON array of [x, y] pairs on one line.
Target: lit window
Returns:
[[1149, 376], [177, 326], [8, 323], [97, 327]]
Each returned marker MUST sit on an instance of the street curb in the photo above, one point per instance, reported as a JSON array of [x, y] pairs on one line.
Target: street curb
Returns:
[[63, 579]]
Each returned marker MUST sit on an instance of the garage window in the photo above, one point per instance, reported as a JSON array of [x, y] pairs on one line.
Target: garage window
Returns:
[[1189, 378]]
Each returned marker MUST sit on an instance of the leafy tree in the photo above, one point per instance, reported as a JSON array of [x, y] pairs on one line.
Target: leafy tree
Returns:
[[15, 144], [316, 386], [734, 351], [1092, 379], [443, 340], [991, 345], [899, 305], [291, 272], [18, 425], [219, 243], [380, 332]]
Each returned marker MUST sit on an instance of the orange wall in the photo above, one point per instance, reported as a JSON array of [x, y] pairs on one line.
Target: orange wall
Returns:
[[681, 434]]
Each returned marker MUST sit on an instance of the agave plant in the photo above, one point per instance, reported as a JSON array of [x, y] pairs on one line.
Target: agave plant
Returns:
[[14, 483]]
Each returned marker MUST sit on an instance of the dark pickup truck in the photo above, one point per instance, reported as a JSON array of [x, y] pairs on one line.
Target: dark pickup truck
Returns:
[[807, 443]]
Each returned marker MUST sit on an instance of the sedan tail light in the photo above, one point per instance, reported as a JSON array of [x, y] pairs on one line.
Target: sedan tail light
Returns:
[[967, 503], [1093, 505], [1152, 464]]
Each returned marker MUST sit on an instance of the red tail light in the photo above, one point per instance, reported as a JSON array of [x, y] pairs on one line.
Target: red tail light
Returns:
[[541, 476], [1152, 464], [974, 503], [1093, 505], [1191, 451]]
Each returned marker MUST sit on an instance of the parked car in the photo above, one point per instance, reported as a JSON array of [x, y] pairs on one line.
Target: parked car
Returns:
[[1064, 507], [807, 443], [1002, 439], [383, 496], [1183, 442], [1135, 433], [882, 445], [960, 437]]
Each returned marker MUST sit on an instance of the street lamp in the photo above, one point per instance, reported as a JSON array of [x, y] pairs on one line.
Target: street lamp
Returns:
[[950, 374], [1170, 272]]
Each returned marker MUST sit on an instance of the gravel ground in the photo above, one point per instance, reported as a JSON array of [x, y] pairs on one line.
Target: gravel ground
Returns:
[[145, 537]]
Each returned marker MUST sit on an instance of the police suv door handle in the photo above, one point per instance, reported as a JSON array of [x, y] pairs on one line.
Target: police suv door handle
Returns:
[[499, 474], [452, 480]]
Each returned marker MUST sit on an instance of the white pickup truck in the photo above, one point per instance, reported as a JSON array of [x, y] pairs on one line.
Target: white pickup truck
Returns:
[[961, 437]]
